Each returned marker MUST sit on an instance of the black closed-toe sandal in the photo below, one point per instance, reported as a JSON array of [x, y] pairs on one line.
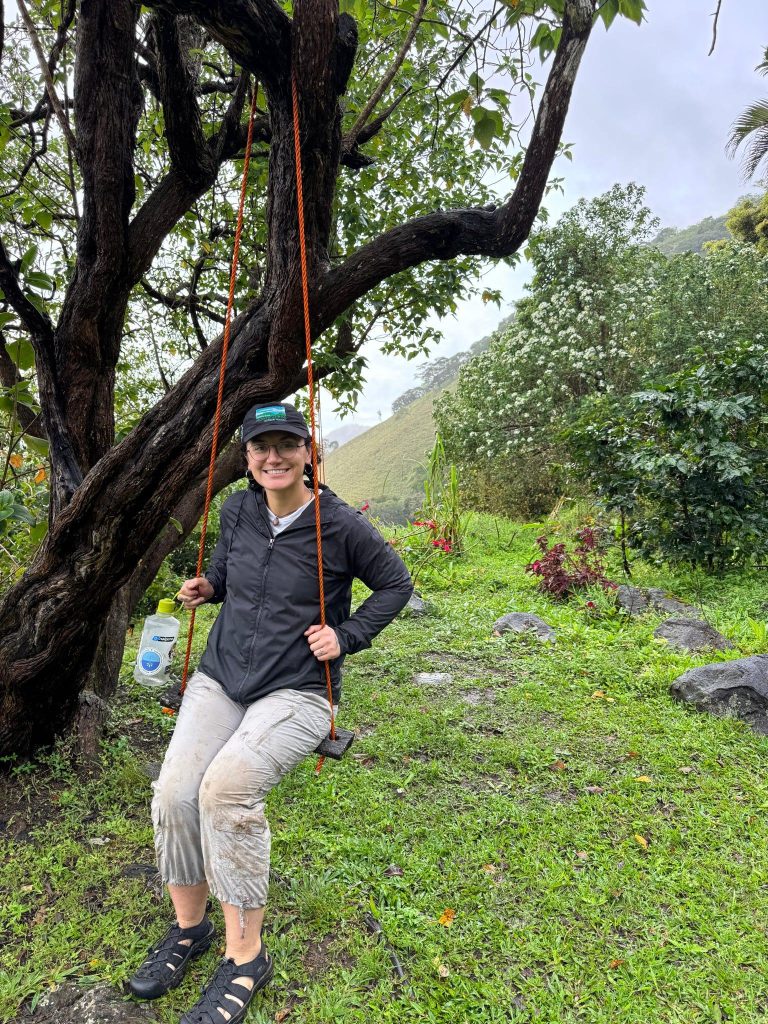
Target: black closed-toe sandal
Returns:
[[226, 997], [167, 962]]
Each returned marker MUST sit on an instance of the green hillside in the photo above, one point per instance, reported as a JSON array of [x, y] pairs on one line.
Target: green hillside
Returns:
[[385, 465], [672, 241]]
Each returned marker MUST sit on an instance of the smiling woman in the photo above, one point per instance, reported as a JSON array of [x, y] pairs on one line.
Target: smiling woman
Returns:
[[257, 705]]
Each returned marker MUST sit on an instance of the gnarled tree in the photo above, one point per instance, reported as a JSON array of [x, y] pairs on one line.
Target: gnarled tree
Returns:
[[111, 503]]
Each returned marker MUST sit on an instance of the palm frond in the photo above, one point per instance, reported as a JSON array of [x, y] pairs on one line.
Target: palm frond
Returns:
[[750, 126], [756, 152]]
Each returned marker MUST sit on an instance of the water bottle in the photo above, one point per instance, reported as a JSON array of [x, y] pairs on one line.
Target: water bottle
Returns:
[[158, 642]]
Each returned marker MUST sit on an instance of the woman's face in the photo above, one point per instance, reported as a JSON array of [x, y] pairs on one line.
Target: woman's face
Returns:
[[276, 461]]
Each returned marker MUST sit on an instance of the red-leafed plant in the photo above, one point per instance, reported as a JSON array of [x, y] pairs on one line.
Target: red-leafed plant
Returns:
[[562, 572]]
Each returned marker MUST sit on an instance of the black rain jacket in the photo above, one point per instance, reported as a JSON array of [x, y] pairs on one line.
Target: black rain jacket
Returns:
[[270, 594]]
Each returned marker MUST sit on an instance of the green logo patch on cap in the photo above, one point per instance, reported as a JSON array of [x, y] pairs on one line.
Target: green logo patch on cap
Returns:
[[270, 414]]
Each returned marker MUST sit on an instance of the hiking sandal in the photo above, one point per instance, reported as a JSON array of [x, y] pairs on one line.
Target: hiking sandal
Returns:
[[167, 963], [225, 998]]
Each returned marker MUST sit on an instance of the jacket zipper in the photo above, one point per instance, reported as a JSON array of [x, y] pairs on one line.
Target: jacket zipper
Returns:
[[258, 618]]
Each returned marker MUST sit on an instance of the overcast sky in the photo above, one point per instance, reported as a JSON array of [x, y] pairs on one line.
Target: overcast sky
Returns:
[[649, 106]]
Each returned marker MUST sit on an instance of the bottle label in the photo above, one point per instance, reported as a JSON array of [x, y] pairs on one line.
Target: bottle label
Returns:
[[150, 661], [163, 639]]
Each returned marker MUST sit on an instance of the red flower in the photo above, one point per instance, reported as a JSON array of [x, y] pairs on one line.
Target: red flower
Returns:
[[365, 507]]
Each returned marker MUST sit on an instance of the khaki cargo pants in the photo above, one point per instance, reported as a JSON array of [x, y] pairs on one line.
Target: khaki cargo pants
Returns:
[[223, 759]]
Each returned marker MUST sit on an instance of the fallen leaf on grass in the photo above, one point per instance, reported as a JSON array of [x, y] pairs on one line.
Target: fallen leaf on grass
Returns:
[[595, 790], [598, 694], [447, 916], [643, 778], [281, 1015], [168, 711], [490, 869], [615, 963], [557, 766], [582, 855], [641, 841], [631, 753], [686, 769], [394, 871], [443, 971], [99, 841]]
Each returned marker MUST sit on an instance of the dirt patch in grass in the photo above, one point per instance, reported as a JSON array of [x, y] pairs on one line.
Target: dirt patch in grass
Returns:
[[319, 957], [26, 805], [470, 667], [478, 697]]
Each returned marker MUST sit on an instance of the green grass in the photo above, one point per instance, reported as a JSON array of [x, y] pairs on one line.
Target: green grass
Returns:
[[510, 795]]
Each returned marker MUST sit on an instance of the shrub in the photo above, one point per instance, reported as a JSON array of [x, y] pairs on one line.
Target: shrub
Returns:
[[562, 572], [685, 464]]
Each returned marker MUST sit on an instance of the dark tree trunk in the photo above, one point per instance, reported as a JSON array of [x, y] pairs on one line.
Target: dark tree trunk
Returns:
[[106, 523]]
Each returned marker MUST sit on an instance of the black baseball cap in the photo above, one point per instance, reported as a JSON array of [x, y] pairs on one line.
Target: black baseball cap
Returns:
[[263, 418]]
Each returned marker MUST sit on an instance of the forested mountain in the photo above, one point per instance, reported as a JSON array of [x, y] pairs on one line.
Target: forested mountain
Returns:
[[672, 241]]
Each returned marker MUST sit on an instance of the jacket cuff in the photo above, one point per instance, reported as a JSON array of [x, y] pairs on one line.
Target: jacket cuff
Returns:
[[349, 641], [218, 597]]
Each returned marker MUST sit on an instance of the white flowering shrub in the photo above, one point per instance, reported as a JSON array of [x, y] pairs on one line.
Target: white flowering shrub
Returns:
[[583, 330], [606, 315]]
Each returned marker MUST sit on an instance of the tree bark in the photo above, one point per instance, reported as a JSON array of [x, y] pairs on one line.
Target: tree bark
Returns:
[[106, 524]]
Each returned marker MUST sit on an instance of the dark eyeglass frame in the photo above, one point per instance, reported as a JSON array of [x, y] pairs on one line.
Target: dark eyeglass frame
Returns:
[[285, 449]]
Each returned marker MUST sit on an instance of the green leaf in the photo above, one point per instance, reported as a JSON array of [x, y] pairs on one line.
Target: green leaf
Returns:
[[22, 514], [37, 444], [633, 9], [22, 353], [28, 258], [608, 12], [37, 279], [485, 129], [38, 532]]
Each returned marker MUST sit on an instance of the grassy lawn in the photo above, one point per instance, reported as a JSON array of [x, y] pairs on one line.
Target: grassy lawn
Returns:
[[601, 849]]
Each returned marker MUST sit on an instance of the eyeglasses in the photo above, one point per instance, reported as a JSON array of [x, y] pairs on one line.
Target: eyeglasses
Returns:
[[285, 449]]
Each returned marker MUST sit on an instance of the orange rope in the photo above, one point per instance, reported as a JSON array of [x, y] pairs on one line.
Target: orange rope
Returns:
[[310, 385], [220, 397]]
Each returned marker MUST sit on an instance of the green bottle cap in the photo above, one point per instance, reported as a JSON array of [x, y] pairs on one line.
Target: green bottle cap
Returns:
[[166, 606]]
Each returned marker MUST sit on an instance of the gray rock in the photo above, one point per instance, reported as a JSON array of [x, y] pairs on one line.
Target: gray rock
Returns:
[[523, 622], [735, 689], [69, 1004], [416, 607], [669, 605], [152, 770], [691, 635], [635, 601], [432, 678], [632, 600]]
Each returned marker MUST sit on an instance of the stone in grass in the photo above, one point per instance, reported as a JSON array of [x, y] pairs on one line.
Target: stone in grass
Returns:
[[635, 601], [432, 678], [632, 600], [691, 635], [416, 608], [734, 689], [101, 1004], [669, 605], [523, 622]]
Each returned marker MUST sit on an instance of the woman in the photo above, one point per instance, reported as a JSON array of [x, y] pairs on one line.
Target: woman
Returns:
[[258, 703]]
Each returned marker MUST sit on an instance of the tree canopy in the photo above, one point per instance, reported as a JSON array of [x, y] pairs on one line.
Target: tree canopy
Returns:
[[427, 144]]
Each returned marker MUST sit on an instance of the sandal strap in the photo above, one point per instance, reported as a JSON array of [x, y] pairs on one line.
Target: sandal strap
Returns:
[[171, 946], [222, 985]]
